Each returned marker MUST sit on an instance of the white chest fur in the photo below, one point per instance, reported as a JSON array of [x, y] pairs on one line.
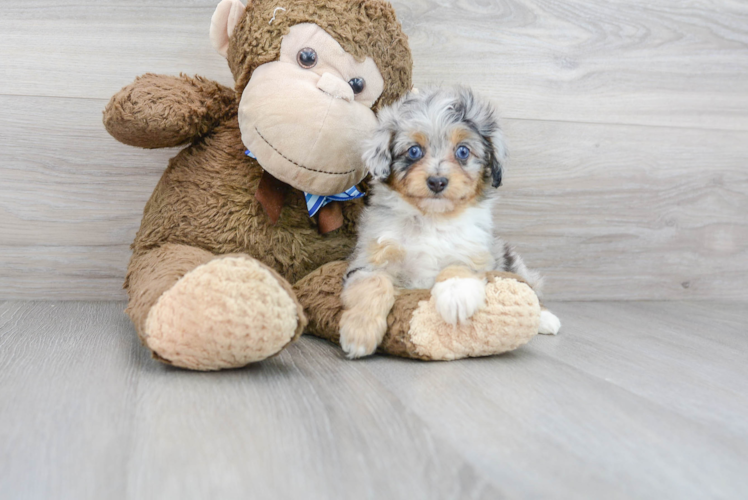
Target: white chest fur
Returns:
[[431, 243]]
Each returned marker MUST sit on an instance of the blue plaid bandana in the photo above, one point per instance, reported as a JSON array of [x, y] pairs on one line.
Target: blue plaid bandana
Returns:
[[314, 203]]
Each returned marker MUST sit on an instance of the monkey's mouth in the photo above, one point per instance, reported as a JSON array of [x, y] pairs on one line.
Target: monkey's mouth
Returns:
[[311, 144], [259, 134]]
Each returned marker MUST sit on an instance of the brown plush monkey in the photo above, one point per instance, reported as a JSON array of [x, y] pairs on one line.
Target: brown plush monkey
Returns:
[[228, 229]]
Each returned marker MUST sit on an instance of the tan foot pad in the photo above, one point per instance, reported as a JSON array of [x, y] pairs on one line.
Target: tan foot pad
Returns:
[[227, 313], [509, 320]]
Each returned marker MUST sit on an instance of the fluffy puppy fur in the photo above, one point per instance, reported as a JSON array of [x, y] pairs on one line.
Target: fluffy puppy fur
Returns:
[[436, 159]]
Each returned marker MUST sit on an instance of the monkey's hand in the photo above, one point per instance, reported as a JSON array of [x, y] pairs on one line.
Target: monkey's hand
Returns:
[[159, 111]]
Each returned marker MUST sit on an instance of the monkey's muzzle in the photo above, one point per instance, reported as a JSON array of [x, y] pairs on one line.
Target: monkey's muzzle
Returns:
[[303, 133]]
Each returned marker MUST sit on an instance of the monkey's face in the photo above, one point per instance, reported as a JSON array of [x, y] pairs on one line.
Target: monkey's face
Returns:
[[306, 115]]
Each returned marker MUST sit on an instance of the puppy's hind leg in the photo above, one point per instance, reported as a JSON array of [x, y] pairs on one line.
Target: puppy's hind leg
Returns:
[[367, 299], [509, 260]]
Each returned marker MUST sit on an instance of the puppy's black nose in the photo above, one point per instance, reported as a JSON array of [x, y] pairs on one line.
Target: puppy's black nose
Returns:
[[437, 184]]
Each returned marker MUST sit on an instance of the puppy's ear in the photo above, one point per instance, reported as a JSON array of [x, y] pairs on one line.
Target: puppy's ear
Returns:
[[497, 156], [378, 154], [482, 116]]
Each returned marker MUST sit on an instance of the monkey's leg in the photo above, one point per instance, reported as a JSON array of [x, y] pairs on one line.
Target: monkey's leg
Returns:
[[416, 329], [204, 312]]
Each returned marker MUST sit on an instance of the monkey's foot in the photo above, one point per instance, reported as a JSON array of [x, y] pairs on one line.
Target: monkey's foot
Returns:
[[416, 329], [509, 319], [228, 313]]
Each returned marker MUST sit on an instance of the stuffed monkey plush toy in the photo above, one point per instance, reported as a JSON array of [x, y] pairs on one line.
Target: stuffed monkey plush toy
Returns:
[[240, 245]]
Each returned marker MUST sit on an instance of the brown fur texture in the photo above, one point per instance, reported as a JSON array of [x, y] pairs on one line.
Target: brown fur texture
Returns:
[[158, 111], [152, 273], [369, 28], [206, 199]]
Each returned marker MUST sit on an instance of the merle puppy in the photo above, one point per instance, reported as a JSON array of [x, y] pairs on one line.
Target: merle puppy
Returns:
[[437, 159]]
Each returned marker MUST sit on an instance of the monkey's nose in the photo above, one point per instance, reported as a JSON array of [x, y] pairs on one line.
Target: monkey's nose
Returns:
[[437, 184], [336, 87]]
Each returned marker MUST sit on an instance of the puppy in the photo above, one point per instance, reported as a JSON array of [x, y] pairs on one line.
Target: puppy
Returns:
[[436, 159]]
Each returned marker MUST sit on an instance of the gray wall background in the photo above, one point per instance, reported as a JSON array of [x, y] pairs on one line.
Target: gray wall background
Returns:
[[627, 123]]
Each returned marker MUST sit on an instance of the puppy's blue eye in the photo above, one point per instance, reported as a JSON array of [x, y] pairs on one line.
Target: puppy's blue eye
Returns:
[[462, 153], [415, 153]]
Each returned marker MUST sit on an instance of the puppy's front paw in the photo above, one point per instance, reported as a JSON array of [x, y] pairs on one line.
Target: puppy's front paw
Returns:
[[361, 333], [549, 323], [457, 299]]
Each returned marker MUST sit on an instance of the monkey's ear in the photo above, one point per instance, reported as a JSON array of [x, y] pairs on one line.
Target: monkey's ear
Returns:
[[225, 18], [497, 156], [378, 154]]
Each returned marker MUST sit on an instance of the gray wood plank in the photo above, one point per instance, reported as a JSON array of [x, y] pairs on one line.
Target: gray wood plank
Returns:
[[679, 63], [689, 357], [91, 49], [673, 63], [68, 384], [71, 200], [65, 181], [601, 411], [551, 427], [628, 213], [51, 272], [302, 425], [85, 415]]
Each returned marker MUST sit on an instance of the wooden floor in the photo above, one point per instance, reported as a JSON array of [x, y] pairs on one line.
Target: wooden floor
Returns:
[[633, 400]]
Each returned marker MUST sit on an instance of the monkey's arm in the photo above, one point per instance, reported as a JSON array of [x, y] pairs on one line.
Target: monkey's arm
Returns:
[[159, 111]]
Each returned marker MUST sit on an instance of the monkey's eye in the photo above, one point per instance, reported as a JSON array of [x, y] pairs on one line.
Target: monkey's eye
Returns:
[[307, 58], [357, 84], [462, 153], [415, 153]]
